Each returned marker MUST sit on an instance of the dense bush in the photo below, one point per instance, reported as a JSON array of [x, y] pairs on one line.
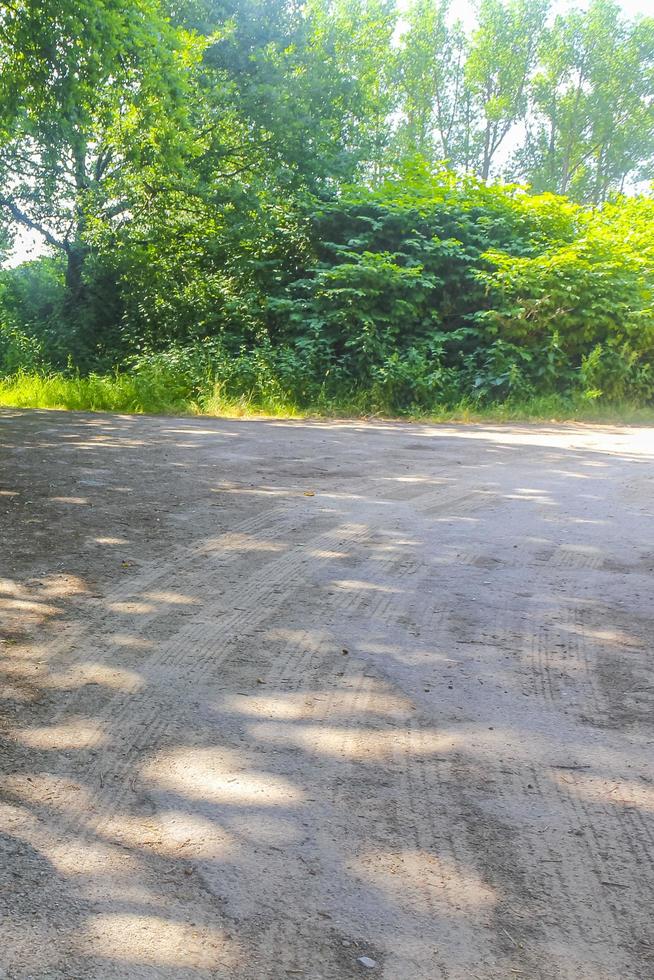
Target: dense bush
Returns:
[[428, 290], [433, 289], [39, 327]]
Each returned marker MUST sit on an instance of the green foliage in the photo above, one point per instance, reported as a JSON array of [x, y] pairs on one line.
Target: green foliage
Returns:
[[593, 125], [502, 56], [18, 351], [423, 292], [399, 268], [34, 305], [269, 203], [119, 392], [597, 288], [616, 372], [93, 117], [129, 392], [436, 106]]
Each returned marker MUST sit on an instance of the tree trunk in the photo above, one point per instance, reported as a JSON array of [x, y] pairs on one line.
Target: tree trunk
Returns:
[[75, 256], [486, 160]]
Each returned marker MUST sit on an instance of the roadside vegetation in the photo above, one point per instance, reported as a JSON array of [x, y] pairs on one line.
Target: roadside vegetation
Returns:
[[265, 208]]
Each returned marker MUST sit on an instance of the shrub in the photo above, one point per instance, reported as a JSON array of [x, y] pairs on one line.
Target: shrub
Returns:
[[421, 293]]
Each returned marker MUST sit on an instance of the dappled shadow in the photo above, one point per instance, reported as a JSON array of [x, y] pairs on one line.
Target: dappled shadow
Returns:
[[280, 695]]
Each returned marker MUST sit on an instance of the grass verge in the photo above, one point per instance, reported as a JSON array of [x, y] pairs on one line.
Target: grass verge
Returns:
[[148, 394]]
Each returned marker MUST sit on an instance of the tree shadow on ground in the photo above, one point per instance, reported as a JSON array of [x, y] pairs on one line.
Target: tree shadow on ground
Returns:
[[279, 695]]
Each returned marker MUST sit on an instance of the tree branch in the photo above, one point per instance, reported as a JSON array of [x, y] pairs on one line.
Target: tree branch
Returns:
[[19, 215], [102, 162]]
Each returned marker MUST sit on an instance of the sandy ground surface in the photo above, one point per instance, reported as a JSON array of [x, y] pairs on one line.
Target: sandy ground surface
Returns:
[[253, 733]]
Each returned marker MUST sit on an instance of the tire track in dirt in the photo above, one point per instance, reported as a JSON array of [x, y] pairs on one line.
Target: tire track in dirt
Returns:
[[210, 640], [208, 637], [182, 563], [161, 576], [144, 721], [314, 662], [343, 772], [562, 663], [590, 914], [460, 802]]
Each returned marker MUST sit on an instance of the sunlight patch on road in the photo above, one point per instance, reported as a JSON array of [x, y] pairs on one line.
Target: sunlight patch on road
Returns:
[[176, 833], [79, 733], [83, 857], [80, 501], [602, 790], [125, 640], [60, 793], [352, 584], [296, 707], [425, 881], [241, 543], [131, 608], [25, 605], [324, 553], [61, 586], [159, 941], [174, 598], [104, 675], [218, 777], [356, 743]]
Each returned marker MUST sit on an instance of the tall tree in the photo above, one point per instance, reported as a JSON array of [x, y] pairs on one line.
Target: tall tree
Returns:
[[593, 122], [92, 103], [311, 82], [353, 40], [435, 102], [502, 58]]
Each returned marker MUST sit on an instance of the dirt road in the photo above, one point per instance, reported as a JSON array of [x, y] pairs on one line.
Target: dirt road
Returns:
[[279, 696]]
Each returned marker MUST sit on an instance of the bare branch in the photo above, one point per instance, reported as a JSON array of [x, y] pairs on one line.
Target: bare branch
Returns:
[[24, 219]]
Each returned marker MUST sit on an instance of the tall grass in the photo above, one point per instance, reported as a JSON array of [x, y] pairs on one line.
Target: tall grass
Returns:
[[129, 392], [120, 392], [159, 394]]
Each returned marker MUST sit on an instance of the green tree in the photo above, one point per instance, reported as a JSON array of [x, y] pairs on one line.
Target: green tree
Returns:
[[435, 101], [352, 40], [92, 105], [502, 57], [593, 99], [311, 85]]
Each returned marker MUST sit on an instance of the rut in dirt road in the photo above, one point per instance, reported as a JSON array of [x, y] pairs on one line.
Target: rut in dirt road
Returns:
[[254, 733]]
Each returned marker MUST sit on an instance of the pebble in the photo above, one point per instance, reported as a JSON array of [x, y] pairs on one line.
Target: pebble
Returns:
[[366, 961]]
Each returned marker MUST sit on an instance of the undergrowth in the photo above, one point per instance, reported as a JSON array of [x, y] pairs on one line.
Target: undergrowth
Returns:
[[141, 393]]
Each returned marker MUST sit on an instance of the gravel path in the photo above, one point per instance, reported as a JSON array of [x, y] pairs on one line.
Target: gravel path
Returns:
[[279, 696]]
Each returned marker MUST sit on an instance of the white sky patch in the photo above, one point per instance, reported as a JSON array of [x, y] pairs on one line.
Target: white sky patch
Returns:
[[28, 245], [465, 10]]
